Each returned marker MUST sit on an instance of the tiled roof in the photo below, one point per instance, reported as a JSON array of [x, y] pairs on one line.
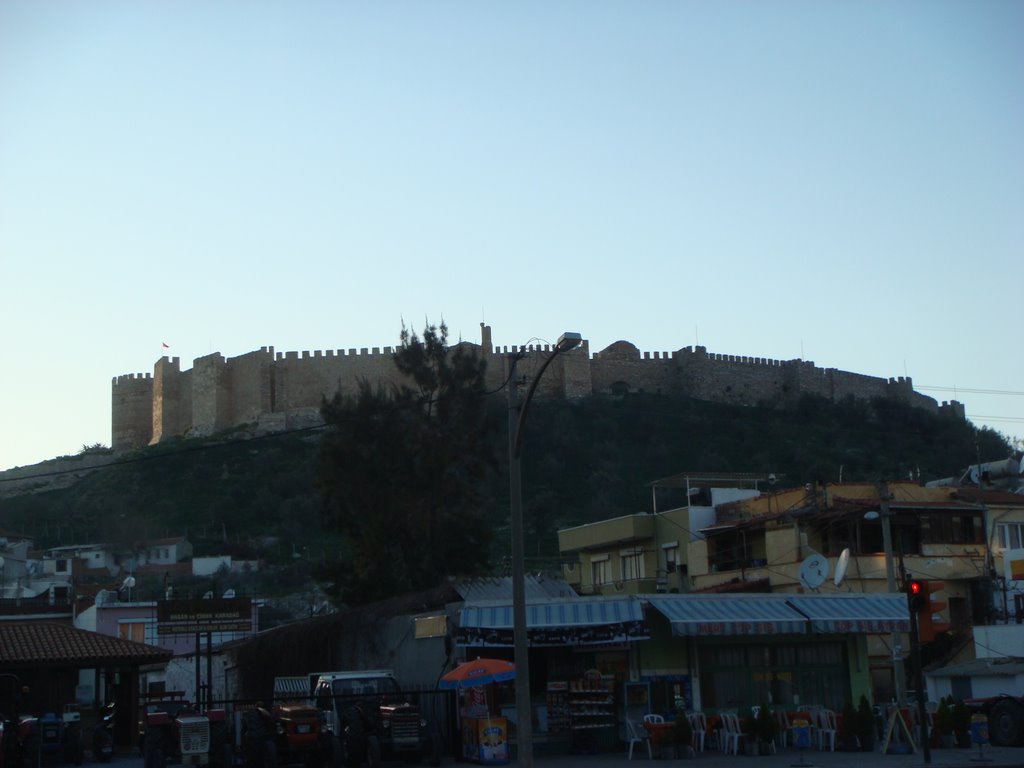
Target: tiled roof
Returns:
[[59, 645]]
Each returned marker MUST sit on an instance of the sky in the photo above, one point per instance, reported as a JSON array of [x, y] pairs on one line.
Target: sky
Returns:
[[838, 182]]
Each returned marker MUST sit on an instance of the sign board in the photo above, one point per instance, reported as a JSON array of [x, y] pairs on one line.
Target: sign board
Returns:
[[216, 614]]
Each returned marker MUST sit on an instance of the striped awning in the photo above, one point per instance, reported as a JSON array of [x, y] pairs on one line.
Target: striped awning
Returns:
[[750, 614], [554, 614], [572, 621], [291, 686], [853, 612], [776, 614]]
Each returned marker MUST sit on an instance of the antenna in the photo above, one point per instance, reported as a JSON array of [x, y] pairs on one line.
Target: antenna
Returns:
[[841, 566], [813, 571]]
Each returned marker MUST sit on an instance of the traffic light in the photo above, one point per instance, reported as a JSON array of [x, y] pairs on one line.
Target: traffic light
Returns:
[[917, 594], [927, 626]]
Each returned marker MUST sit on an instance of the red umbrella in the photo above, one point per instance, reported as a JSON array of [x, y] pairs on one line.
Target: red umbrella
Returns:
[[470, 674]]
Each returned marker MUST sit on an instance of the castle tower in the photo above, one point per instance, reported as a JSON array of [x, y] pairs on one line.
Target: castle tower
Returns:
[[172, 400], [131, 411]]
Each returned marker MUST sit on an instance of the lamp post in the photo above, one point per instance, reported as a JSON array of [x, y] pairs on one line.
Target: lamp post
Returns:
[[516, 418]]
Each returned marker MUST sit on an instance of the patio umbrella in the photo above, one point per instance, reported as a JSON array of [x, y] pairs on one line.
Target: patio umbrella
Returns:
[[477, 672]]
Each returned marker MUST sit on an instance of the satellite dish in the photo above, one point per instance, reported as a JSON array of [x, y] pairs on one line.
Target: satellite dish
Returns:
[[128, 583], [814, 571], [841, 566]]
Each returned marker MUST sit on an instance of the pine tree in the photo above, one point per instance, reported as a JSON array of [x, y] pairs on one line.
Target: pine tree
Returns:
[[402, 471]]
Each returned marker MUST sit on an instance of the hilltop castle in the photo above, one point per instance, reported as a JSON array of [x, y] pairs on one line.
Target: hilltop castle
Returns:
[[272, 392]]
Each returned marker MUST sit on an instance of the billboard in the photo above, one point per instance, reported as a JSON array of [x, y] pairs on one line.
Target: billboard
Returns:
[[216, 614]]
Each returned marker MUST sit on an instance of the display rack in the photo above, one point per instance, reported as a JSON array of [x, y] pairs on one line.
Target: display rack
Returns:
[[557, 702], [591, 703]]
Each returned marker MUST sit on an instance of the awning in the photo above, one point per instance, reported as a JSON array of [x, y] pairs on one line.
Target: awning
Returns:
[[291, 686], [555, 622], [775, 614], [760, 614], [854, 613]]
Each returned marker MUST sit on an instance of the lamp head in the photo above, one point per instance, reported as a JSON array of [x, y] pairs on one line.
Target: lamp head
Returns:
[[567, 341]]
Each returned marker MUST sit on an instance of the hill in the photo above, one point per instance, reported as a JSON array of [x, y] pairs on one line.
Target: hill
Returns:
[[583, 460]]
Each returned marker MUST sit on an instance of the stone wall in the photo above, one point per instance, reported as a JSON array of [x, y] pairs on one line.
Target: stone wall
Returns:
[[282, 390]]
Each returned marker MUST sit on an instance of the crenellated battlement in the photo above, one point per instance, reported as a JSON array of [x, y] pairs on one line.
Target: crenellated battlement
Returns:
[[131, 379], [272, 389], [376, 352]]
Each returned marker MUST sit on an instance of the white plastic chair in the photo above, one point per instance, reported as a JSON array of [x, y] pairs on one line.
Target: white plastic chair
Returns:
[[699, 726], [827, 730], [730, 734], [654, 719], [638, 735]]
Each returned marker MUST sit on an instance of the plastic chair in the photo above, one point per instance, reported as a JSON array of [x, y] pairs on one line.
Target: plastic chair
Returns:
[[730, 734], [638, 735], [699, 726], [654, 719], [827, 730]]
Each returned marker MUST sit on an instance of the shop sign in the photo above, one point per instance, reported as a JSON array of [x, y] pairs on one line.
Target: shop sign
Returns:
[[217, 614]]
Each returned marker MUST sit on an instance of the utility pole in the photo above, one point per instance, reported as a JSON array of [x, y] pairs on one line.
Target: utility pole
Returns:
[[890, 577]]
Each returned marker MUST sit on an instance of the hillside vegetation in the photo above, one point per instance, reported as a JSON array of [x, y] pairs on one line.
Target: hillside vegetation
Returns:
[[582, 461]]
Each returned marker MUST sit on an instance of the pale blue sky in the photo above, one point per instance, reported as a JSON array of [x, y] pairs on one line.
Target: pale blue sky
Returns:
[[837, 181]]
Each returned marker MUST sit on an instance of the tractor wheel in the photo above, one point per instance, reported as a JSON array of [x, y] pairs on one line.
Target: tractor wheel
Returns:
[[1006, 724], [434, 752], [32, 752], [270, 755], [337, 753], [373, 751]]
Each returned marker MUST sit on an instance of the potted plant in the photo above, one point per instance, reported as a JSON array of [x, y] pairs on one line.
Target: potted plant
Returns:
[[682, 735], [767, 728], [961, 723], [849, 728], [865, 724], [942, 722]]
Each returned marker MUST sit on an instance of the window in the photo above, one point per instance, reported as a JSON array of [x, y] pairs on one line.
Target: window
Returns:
[[1011, 535], [631, 564], [671, 557], [137, 631], [61, 566], [600, 572]]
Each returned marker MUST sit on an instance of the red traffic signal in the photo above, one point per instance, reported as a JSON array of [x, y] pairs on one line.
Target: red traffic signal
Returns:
[[917, 594]]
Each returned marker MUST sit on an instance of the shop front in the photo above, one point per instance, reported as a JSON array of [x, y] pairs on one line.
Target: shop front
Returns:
[[783, 650], [580, 658]]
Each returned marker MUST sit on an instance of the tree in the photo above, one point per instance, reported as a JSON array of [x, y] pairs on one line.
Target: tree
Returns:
[[402, 471]]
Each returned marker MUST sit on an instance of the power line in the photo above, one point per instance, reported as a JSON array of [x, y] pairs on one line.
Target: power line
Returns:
[[970, 391]]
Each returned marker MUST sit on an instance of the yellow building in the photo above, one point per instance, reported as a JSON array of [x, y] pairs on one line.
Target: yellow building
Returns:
[[731, 537]]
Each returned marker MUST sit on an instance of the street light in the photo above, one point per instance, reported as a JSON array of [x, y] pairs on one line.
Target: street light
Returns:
[[516, 419]]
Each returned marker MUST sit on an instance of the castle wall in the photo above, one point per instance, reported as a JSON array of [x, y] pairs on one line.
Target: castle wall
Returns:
[[285, 390], [252, 385], [131, 415], [621, 367], [734, 379], [302, 379]]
